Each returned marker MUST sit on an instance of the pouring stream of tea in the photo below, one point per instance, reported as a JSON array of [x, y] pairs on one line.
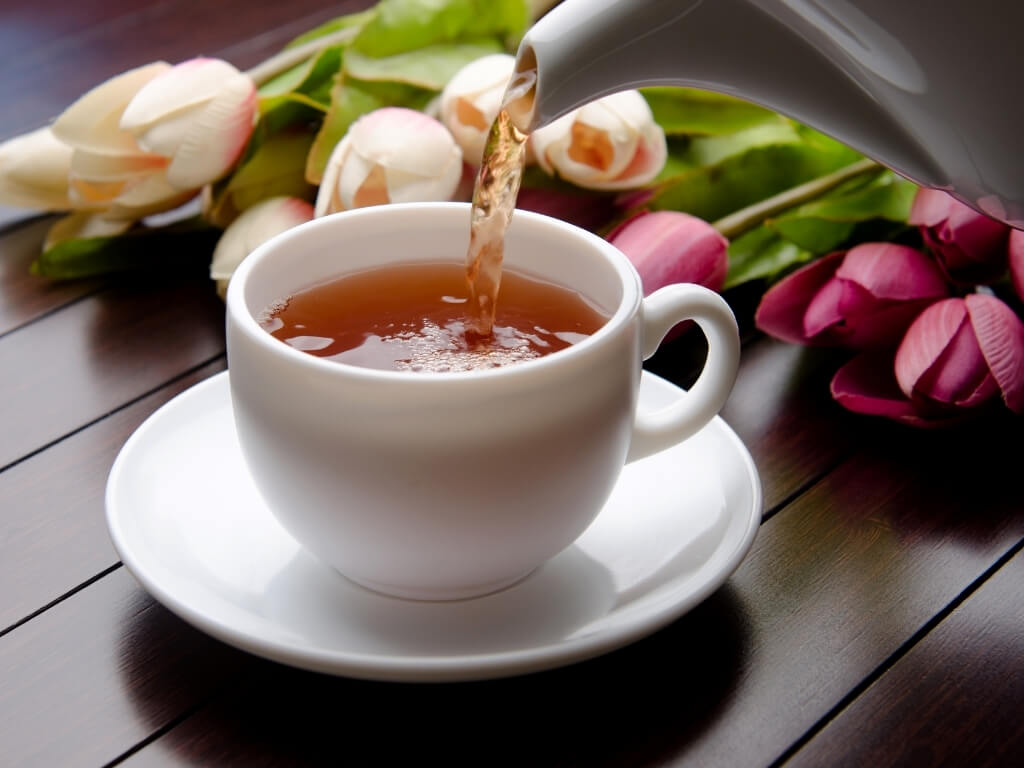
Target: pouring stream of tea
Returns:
[[494, 199]]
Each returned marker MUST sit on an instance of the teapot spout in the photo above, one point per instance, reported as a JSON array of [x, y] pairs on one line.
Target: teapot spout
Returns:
[[870, 73]]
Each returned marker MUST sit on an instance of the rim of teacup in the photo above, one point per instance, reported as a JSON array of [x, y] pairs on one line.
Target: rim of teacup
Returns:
[[245, 321]]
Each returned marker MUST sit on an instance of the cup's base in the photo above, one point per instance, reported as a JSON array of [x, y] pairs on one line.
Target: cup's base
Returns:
[[438, 594]]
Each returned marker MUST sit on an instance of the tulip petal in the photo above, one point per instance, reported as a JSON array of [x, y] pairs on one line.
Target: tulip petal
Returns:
[[960, 375], [93, 122], [405, 140], [152, 194], [83, 225], [97, 168], [411, 188], [781, 311], [866, 385], [1015, 248], [1000, 335], [930, 207], [34, 171], [254, 227], [180, 88], [671, 247], [926, 340], [353, 174], [470, 102], [891, 271], [327, 196], [825, 310], [216, 137]]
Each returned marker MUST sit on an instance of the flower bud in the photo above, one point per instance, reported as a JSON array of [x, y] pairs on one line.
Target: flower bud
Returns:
[[391, 155], [251, 229], [861, 298], [198, 114], [671, 247], [610, 143], [963, 353], [969, 246], [34, 171], [471, 100], [146, 140]]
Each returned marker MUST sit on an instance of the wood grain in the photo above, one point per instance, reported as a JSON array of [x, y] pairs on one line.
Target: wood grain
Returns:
[[955, 699], [55, 537], [27, 297], [99, 672], [99, 353]]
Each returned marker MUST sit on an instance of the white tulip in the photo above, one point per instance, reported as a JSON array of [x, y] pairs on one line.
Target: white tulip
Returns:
[[34, 171], [391, 155], [251, 229], [610, 143], [146, 140], [198, 114], [471, 100]]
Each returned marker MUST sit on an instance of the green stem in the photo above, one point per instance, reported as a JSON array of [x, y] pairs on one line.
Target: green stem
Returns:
[[291, 57], [747, 218]]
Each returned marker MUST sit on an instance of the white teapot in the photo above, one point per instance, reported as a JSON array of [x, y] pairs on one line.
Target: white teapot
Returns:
[[928, 89]]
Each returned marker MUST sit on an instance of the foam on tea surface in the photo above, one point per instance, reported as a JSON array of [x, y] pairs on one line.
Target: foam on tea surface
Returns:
[[412, 317]]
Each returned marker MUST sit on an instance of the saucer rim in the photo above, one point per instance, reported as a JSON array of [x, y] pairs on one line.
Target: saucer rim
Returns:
[[433, 668]]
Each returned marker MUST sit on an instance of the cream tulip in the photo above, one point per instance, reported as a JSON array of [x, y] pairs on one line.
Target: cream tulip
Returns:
[[34, 171], [391, 155], [611, 143], [471, 100], [251, 229], [147, 140]]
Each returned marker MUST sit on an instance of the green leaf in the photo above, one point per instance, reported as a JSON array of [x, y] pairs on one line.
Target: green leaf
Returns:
[[180, 247], [761, 254], [431, 67], [708, 150], [334, 25], [350, 100], [741, 179], [276, 168], [825, 224], [313, 78], [689, 111], [814, 235], [406, 25]]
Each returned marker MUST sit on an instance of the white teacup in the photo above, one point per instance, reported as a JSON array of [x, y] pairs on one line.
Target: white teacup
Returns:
[[451, 485]]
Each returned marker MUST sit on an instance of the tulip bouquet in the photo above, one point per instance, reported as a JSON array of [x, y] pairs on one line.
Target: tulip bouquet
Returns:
[[933, 342], [394, 104]]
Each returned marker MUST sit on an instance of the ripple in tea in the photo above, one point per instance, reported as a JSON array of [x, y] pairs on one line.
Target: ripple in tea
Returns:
[[412, 317]]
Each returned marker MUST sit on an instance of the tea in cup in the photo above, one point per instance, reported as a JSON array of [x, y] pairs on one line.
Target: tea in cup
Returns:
[[451, 480]]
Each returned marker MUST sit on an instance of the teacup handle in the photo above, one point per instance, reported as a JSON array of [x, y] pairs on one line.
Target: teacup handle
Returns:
[[654, 431]]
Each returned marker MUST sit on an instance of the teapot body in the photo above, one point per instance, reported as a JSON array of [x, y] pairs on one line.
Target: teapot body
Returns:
[[926, 90]]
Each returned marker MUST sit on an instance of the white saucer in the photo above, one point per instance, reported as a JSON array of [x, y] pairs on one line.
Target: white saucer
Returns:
[[188, 523]]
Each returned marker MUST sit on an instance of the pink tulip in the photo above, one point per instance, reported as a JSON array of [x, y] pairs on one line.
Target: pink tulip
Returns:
[[868, 385], [963, 353], [1016, 254], [861, 298], [958, 355], [671, 247], [970, 247]]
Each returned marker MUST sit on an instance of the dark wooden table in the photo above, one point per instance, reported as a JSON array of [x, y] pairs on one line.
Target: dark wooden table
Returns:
[[878, 620]]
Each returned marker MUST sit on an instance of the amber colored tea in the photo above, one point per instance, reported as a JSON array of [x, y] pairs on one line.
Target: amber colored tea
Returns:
[[412, 317]]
